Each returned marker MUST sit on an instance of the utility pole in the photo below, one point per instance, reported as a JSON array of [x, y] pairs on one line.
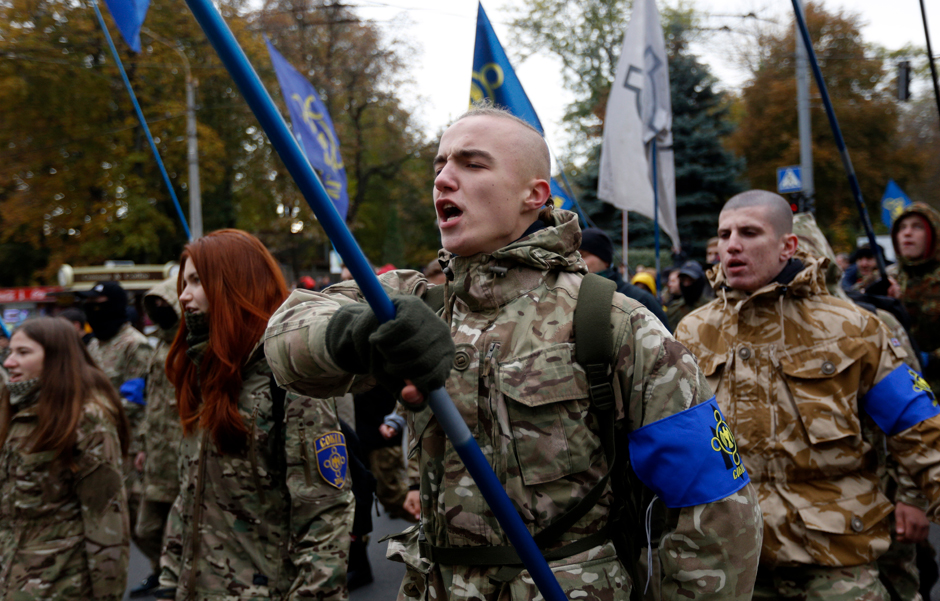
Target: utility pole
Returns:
[[805, 123], [192, 149]]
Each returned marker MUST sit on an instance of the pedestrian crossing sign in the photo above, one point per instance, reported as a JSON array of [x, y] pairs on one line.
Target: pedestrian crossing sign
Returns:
[[789, 179]]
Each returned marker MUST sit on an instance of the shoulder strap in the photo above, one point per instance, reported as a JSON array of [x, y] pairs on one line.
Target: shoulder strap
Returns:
[[278, 400], [434, 298], [593, 338]]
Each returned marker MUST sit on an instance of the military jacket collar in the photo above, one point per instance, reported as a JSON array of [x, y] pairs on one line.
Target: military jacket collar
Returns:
[[489, 281], [811, 280]]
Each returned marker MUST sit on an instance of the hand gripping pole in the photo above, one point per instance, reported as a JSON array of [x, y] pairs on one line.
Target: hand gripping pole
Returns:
[[310, 186]]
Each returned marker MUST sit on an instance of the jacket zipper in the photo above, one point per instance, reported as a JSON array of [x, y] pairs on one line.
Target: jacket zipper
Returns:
[[308, 476], [197, 514]]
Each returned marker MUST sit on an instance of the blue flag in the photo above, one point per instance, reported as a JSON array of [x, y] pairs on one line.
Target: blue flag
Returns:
[[129, 16], [313, 129], [892, 203], [494, 78]]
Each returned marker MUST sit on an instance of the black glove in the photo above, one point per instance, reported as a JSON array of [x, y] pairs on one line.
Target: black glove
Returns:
[[415, 346]]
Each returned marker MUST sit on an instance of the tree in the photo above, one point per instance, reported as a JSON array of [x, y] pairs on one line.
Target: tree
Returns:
[[862, 95], [706, 172]]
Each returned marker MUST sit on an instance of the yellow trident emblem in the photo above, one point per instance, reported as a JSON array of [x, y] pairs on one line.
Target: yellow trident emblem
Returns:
[[921, 385], [723, 441], [335, 463]]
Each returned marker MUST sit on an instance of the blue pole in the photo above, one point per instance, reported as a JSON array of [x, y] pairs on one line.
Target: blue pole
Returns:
[[655, 208], [143, 122], [310, 186], [840, 141]]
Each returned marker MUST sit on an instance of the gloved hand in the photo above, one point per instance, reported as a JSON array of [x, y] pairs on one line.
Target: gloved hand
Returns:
[[415, 346]]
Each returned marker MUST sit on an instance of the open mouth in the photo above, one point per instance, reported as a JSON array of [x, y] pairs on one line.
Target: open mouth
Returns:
[[448, 211], [735, 264]]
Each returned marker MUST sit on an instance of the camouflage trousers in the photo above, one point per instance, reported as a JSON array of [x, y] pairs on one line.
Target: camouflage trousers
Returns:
[[898, 568], [388, 466], [820, 583], [149, 530]]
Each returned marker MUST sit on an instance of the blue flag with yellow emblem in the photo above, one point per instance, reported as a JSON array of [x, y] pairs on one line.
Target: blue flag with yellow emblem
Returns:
[[494, 78], [892, 203], [313, 129]]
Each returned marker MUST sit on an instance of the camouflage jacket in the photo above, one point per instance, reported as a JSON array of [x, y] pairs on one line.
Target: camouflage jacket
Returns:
[[242, 528], [525, 399], [64, 532], [791, 366], [161, 431], [124, 357], [919, 281]]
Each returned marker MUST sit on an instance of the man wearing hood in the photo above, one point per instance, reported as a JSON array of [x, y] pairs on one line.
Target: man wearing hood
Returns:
[[161, 433], [693, 289], [597, 251], [123, 354], [917, 285], [804, 378], [503, 344]]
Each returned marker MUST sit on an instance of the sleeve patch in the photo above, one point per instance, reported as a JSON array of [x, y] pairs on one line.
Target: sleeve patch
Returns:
[[332, 458], [901, 399], [690, 458]]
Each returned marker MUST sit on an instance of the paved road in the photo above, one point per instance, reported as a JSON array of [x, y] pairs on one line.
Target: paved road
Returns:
[[387, 574]]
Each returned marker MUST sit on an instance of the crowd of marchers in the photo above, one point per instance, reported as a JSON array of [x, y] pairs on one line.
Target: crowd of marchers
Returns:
[[757, 429]]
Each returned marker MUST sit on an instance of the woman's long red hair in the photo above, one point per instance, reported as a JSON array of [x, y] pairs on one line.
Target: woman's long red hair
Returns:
[[70, 379], [244, 286]]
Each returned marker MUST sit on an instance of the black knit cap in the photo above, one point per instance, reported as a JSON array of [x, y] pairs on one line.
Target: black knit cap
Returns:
[[598, 243]]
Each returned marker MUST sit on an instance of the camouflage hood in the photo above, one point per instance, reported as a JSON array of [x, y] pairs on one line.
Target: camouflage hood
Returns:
[[165, 290], [809, 281], [933, 218], [491, 280]]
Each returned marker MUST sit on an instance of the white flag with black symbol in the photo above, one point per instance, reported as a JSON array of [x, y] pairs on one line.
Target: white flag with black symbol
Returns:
[[638, 112]]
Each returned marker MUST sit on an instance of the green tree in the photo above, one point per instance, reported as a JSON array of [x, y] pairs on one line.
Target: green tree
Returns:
[[862, 94]]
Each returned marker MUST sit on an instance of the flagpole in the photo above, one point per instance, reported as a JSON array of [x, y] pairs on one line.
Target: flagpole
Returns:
[[655, 208], [626, 264], [140, 117], [287, 147]]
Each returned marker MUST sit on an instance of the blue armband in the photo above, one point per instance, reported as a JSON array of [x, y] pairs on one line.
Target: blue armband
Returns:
[[689, 458], [133, 391], [900, 400]]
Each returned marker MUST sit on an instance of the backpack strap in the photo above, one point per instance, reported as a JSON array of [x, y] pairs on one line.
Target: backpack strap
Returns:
[[593, 337], [277, 439]]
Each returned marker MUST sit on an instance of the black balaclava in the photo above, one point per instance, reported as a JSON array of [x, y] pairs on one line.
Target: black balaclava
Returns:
[[106, 318]]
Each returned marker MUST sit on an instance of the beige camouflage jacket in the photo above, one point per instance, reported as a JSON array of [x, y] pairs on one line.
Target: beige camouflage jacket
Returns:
[[525, 400], [161, 431], [243, 529], [790, 366], [124, 357], [64, 533]]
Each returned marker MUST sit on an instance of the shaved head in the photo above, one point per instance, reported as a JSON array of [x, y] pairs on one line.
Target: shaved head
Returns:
[[776, 208], [533, 158]]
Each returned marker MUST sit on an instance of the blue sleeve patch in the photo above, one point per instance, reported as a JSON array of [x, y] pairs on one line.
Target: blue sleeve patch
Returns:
[[689, 458], [332, 458], [133, 391], [900, 400]]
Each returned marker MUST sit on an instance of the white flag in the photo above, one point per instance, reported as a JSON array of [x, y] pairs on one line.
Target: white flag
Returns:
[[639, 111]]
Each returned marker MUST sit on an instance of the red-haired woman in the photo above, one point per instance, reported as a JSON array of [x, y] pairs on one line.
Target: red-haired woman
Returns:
[[265, 505], [64, 530]]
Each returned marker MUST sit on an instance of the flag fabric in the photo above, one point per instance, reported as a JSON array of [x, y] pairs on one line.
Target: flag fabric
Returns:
[[129, 16], [313, 129], [639, 111], [893, 202], [494, 79]]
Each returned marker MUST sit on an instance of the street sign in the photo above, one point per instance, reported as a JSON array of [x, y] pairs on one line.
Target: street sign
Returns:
[[789, 180]]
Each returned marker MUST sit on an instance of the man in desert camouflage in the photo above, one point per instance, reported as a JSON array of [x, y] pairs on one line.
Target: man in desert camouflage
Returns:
[[504, 346], [805, 378]]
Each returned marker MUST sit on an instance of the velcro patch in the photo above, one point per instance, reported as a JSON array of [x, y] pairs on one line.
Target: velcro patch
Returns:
[[332, 458], [901, 399], [689, 458]]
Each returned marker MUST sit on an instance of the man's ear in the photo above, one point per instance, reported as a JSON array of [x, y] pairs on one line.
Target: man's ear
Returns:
[[539, 193], [790, 243]]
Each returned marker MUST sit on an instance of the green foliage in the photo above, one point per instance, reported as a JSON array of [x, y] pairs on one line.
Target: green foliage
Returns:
[[860, 85]]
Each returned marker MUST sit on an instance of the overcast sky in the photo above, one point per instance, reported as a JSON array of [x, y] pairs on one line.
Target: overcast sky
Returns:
[[444, 34]]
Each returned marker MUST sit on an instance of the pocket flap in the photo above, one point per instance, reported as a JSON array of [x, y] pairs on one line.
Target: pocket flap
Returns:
[[851, 515], [823, 361], [710, 363], [548, 375]]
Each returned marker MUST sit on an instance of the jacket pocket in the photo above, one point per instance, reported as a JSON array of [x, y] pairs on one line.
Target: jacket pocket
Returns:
[[713, 368], [847, 531], [547, 401], [823, 382]]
